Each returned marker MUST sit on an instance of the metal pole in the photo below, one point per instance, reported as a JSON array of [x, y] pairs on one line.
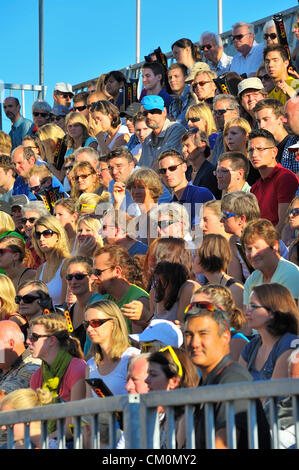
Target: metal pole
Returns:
[[137, 31], [220, 19], [41, 46]]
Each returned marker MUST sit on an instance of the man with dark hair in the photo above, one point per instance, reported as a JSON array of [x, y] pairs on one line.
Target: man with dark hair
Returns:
[[207, 340], [172, 169], [153, 76], [277, 185], [269, 115], [7, 177], [276, 64], [20, 126], [63, 94], [196, 151], [165, 134], [232, 172], [80, 103], [114, 84], [183, 98]]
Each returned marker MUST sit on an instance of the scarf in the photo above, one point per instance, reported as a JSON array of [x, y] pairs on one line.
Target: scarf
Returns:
[[52, 376]]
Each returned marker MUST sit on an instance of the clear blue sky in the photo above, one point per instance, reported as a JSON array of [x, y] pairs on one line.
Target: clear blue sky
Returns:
[[84, 38]]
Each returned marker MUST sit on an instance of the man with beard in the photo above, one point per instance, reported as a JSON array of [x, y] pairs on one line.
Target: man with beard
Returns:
[[165, 134], [20, 126]]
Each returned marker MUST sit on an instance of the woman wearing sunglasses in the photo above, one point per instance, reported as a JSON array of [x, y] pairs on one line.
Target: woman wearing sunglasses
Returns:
[[13, 258], [168, 369], [30, 213], [85, 179], [78, 272], [110, 350], [50, 241], [78, 132], [63, 368]]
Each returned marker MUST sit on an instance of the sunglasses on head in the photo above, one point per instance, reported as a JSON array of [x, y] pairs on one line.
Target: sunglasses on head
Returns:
[[35, 337], [79, 108], [294, 212], [163, 171], [206, 46], [270, 35], [202, 306], [95, 323], [5, 250], [152, 111], [27, 299], [77, 276], [92, 106], [38, 113], [46, 234], [175, 359], [31, 220]]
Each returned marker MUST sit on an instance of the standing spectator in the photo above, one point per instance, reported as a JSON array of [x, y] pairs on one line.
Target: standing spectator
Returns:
[[212, 47], [20, 126], [249, 54], [177, 74]]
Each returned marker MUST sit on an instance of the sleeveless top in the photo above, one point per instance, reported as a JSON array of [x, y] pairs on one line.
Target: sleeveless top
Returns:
[[122, 130], [55, 285], [171, 314], [117, 379]]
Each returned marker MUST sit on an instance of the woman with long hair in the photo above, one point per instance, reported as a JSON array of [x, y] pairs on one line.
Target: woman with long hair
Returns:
[[8, 306], [65, 210], [199, 116], [78, 132], [63, 368], [85, 179], [89, 229], [186, 52], [53, 147], [50, 241], [113, 133]]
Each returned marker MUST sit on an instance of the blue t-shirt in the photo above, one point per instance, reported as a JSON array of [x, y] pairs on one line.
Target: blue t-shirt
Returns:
[[194, 195]]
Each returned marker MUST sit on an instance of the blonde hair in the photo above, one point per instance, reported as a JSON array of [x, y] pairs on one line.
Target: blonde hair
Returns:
[[46, 133], [56, 325], [88, 202], [62, 248], [87, 166], [27, 398], [203, 111], [5, 143], [214, 206], [39, 170], [236, 122], [7, 295], [76, 117], [6, 223], [120, 336]]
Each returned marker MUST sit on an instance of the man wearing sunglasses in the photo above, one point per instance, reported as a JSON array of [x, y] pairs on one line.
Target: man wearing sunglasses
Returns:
[[63, 94], [80, 104], [20, 126], [165, 134], [207, 340], [212, 48], [41, 112], [249, 54], [270, 33]]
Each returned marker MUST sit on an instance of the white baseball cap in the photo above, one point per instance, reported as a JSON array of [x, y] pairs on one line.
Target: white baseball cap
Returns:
[[161, 330]]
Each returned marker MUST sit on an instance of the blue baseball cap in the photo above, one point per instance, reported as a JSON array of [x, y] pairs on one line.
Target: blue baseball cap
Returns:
[[153, 102]]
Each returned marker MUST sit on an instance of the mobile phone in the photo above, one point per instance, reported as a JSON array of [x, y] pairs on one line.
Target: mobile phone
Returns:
[[99, 387]]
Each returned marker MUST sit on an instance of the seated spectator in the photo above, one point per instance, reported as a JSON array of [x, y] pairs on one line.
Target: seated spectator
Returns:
[[273, 313], [31, 212], [23, 160], [141, 131], [35, 144], [177, 74], [45, 186], [260, 241], [265, 78], [77, 133], [62, 358], [7, 177], [53, 148], [114, 82], [12, 259], [33, 300], [113, 133], [212, 259], [85, 179], [68, 180], [168, 369], [171, 220], [295, 55], [92, 156], [153, 79], [7, 223], [88, 202], [196, 151], [20, 126], [232, 172], [8, 309], [89, 235], [41, 113], [212, 47], [171, 291], [201, 117], [204, 87], [115, 232], [65, 210], [159, 334], [50, 241], [249, 54], [293, 215], [186, 52], [250, 92], [100, 88], [222, 298], [128, 114], [165, 134], [63, 94], [277, 62], [211, 220], [291, 113], [21, 399], [59, 113], [5, 143], [80, 103], [270, 33]]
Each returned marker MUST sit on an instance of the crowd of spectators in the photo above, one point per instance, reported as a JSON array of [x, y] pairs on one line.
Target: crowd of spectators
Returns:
[[154, 246]]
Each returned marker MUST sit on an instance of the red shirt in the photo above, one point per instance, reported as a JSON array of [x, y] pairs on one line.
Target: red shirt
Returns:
[[278, 187]]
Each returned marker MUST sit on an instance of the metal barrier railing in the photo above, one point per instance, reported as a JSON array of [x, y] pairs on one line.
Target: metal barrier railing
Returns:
[[140, 416]]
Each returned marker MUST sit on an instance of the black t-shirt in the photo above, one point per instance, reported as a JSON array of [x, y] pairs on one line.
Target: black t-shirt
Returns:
[[228, 371]]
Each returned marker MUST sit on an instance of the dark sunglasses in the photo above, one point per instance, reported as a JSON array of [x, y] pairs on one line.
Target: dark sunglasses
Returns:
[[264, 77], [65, 95], [294, 212], [206, 46], [193, 119], [163, 224], [77, 276], [79, 108], [271, 36], [46, 234], [95, 323], [152, 111], [238, 37], [68, 168], [5, 250], [35, 337], [31, 220], [92, 106], [196, 84], [220, 112], [27, 299], [37, 113], [162, 171], [98, 272]]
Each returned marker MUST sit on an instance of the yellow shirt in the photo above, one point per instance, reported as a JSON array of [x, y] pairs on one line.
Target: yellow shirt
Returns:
[[280, 95]]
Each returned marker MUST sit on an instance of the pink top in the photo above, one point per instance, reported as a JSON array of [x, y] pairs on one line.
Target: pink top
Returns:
[[74, 372]]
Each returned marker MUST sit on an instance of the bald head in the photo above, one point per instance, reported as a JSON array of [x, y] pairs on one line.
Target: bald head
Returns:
[[11, 343], [291, 115], [137, 373]]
